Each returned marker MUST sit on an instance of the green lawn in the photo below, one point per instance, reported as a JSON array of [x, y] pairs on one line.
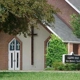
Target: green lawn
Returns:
[[40, 75]]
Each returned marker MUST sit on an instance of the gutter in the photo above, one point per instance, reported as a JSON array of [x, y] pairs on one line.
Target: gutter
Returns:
[[75, 42], [72, 6]]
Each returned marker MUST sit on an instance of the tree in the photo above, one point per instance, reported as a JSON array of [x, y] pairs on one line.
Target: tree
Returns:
[[75, 23], [17, 16], [55, 50]]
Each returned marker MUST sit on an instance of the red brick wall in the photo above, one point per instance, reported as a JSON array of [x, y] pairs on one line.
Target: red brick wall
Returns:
[[70, 48], [79, 49], [4, 40], [74, 48], [66, 9]]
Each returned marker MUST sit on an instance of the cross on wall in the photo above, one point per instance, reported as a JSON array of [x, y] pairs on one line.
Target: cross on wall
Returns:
[[32, 44]]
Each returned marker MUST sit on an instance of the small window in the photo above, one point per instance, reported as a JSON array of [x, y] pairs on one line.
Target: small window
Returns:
[[17, 45], [12, 45]]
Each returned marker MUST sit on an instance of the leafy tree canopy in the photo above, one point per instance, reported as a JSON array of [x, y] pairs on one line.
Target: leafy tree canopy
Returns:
[[75, 23], [17, 16]]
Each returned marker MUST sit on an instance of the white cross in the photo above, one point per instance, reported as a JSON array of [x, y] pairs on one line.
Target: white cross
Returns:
[[12, 45], [18, 45]]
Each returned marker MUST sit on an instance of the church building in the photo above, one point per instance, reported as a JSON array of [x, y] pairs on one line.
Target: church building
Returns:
[[20, 53]]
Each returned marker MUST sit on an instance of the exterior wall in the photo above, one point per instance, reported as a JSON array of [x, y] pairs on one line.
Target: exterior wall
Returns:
[[25, 60], [79, 49], [73, 48], [43, 34], [4, 40], [66, 9], [70, 48]]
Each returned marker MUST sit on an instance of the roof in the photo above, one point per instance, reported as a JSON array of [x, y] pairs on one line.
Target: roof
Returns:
[[65, 8], [61, 30], [75, 4]]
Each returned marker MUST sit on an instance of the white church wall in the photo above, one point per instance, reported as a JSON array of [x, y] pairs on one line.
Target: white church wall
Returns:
[[42, 35]]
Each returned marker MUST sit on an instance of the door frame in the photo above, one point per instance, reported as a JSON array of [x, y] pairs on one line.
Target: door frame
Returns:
[[20, 51]]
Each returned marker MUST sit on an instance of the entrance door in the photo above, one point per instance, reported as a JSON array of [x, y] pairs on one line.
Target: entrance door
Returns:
[[14, 55]]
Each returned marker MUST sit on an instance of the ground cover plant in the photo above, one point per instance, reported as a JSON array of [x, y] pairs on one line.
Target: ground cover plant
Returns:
[[53, 75]]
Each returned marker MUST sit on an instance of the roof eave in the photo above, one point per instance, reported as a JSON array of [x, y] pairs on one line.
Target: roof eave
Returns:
[[75, 42], [60, 37], [72, 6], [48, 27]]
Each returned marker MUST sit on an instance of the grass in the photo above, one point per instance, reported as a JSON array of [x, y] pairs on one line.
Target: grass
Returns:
[[53, 75]]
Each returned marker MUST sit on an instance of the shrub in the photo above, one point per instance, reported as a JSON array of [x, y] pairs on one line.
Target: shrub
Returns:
[[67, 67], [73, 66], [64, 67], [58, 66], [61, 67], [70, 66], [55, 50], [78, 66]]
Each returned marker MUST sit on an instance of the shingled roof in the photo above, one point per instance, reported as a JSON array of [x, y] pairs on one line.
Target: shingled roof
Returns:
[[75, 4], [61, 27], [63, 31]]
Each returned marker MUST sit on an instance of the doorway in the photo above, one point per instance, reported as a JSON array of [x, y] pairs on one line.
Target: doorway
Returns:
[[14, 55]]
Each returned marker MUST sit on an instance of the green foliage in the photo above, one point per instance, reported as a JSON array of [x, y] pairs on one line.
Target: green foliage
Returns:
[[66, 67], [55, 50], [70, 66], [58, 66], [17, 16], [75, 23]]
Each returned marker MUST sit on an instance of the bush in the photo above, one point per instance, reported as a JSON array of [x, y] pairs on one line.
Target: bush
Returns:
[[55, 50], [78, 66], [64, 67], [61, 67], [58, 66], [70, 66], [73, 66], [67, 67]]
